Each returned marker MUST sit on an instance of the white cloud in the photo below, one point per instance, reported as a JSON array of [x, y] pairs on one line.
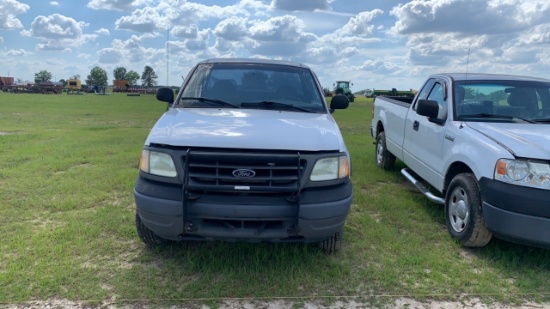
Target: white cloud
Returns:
[[110, 55], [232, 29], [103, 31], [539, 35], [8, 10], [193, 13], [302, 5], [142, 20], [17, 52], [118, 5], [360, 25], [283, 28], [186, 32], [379, 67], [200, 42], [483, 17], [57, 46], [54, 3], [55, 26]]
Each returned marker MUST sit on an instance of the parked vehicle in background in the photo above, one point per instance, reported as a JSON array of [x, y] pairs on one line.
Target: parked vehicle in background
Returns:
[[482, 144], [74, 86], [247, 151], [368, 93]]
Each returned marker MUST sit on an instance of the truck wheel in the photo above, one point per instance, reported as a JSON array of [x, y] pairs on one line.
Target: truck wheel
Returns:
[[463, 213], [384, 158], [334, 243], [147, 236]]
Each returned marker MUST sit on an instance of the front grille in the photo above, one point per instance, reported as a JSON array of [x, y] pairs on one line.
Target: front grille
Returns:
[[247, 172]]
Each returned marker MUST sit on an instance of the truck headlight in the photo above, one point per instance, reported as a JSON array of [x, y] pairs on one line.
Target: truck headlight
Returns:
[[523, 172], [330, 169], [157, 163]]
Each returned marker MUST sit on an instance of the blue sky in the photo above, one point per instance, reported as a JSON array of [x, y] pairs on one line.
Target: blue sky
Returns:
[[379, 44]]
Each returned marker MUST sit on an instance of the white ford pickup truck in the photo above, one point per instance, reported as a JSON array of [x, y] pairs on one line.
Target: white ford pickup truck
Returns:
[[480, 145], [248, 150]]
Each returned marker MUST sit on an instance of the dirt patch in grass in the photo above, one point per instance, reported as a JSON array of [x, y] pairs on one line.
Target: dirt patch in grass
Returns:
[[375, 303]]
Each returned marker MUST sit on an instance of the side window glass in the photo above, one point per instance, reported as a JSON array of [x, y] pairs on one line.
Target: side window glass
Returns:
[[437, 95], [423, 94]]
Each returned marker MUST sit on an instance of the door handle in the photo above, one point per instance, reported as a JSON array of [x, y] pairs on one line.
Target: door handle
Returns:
[[416, 125]]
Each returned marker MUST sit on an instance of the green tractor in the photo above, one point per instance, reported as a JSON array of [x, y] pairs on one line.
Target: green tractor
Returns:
[[342, 87]]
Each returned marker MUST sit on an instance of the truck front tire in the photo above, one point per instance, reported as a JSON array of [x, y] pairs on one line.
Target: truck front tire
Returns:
[[384, 158], [147, 236], [463, 212], [333, 244]]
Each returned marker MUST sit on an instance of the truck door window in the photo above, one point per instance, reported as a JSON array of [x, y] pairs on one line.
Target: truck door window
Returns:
[[437, 94], [424, 91]]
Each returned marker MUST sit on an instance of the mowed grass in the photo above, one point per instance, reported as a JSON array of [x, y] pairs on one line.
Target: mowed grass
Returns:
[[67, 170]]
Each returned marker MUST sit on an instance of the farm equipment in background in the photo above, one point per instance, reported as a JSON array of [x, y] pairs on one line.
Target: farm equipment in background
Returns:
[[121, 85], [6, 83], [46, 88], [345, 86], [74, 86], [393, 93]]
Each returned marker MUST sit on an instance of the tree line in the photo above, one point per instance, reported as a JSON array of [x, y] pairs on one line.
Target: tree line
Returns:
[[98, 76]]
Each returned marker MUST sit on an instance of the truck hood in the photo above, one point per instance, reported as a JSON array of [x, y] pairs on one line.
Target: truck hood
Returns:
[[246, 128], [522, 140]]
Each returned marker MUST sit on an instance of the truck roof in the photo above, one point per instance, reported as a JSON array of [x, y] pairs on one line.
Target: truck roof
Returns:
[[255, 61], [486, 76]]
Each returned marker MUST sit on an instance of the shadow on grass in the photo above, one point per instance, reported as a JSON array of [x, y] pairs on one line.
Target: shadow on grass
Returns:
[[211, 270]]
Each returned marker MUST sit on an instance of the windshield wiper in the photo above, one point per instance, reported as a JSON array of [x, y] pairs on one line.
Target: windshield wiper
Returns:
[[541, 120], [496, 116], [271, 104], [211, 101]]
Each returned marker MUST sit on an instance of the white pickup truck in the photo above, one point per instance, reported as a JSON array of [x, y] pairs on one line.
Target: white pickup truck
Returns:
[[248, 150], [480, 145]]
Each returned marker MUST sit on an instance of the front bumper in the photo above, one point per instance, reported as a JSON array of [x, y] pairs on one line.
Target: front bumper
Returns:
[[234, 218], [515, 213]]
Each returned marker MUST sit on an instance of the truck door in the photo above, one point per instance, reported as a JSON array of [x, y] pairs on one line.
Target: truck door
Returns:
[[423, 144]]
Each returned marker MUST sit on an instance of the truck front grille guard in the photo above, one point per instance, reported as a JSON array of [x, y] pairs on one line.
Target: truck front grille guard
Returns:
[[207, 172]]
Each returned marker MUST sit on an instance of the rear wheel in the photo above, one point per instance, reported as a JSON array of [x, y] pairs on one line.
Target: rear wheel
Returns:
[[384, 158], [334, 243], [147, 236], [463, 212]]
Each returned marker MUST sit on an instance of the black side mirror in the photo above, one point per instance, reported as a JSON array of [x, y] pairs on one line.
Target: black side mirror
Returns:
[[339, 102], [165, 95], [428, 108]]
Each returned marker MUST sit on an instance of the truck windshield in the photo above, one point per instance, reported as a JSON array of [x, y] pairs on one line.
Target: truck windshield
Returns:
[[505, 100], [250, 85]]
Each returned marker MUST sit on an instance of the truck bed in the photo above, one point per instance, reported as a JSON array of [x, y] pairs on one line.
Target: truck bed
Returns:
[[398, 99]]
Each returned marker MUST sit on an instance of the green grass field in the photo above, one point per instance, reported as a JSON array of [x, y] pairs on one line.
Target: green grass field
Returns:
[[67, 169]]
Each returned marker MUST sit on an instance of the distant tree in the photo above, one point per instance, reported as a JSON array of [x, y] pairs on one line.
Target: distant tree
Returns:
[[97, 77], [132, 77], [119, 73], [42, 76], [149, 77], [76, 76], [63, 82]]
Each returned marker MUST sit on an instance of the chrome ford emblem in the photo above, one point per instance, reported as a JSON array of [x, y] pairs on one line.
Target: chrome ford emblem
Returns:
[[244, 173]]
